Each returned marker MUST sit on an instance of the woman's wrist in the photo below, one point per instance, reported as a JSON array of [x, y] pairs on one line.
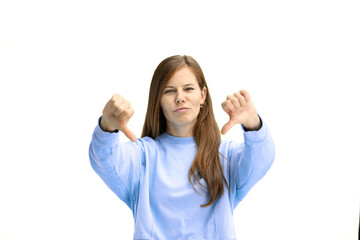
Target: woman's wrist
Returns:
[[253, 124], [104, 126]]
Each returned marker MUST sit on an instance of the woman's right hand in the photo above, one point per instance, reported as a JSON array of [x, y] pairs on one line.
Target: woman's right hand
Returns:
[[116, 115]]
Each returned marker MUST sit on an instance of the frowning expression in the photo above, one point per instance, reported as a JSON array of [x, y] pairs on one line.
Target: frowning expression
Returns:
[[181, 102]]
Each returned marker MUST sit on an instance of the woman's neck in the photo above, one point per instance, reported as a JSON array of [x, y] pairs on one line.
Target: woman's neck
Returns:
[[180, 131]]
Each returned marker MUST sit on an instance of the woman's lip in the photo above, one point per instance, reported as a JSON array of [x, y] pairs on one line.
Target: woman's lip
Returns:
[[181, 109]]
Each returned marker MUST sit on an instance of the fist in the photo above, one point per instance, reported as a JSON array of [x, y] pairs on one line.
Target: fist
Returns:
[[116, 115], [241, 110]]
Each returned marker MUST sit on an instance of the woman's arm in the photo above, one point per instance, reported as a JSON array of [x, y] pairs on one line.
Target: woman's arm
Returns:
[[118, 164], [251, 160]]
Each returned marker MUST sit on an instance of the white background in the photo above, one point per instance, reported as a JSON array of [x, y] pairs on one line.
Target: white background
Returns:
[[60, 61]]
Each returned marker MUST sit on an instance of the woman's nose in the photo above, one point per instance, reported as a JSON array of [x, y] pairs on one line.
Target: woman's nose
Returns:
[[179, 98], [178, 101]]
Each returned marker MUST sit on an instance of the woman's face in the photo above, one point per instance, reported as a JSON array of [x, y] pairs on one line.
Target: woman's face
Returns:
[[181, 102]]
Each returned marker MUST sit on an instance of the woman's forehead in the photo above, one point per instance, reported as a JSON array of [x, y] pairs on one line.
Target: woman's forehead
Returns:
[[182, 77]]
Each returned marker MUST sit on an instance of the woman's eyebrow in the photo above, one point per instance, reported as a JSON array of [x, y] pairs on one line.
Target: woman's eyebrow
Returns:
[[186, 85]]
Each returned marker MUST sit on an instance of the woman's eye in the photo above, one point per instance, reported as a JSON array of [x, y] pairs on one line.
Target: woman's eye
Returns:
[[169, 91], [189, 89]]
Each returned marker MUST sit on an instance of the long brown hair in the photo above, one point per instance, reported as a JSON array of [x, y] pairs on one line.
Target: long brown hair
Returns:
[[206, 163]]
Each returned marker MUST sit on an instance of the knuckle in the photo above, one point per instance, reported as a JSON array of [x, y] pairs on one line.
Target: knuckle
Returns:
[[225, 103], [115, 97], [117, 105], [113, 101], [126, 104], [130, 110], [121, 108], [117, 114]]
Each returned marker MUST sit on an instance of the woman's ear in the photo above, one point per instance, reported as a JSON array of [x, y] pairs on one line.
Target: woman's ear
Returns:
[[203, 95]]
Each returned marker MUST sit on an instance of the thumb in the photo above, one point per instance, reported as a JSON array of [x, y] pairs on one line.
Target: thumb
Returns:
[[128, 133], [227, 127]]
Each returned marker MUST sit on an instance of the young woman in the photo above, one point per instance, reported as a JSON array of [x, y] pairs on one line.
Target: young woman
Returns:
[[179, 179]]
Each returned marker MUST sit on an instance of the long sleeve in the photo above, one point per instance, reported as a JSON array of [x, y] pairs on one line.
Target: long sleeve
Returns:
[[118, 164], [249, 161]]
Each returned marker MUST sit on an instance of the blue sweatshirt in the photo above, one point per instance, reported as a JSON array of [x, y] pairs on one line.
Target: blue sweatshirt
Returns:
[[151, 177]]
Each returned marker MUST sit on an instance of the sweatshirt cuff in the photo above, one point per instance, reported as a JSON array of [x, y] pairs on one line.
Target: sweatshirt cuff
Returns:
[[105, 137], [256, 136]]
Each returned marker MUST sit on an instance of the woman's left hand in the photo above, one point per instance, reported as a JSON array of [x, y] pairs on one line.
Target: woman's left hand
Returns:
[[241, 111]]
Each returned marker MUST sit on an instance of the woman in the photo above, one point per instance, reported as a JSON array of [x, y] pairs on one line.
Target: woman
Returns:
[[179, 179]]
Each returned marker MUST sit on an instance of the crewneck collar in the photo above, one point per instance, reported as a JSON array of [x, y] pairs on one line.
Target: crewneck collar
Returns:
[[176, 140]]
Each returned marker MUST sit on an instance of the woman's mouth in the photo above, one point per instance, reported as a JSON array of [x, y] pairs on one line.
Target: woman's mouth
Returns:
[[181, 109]]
